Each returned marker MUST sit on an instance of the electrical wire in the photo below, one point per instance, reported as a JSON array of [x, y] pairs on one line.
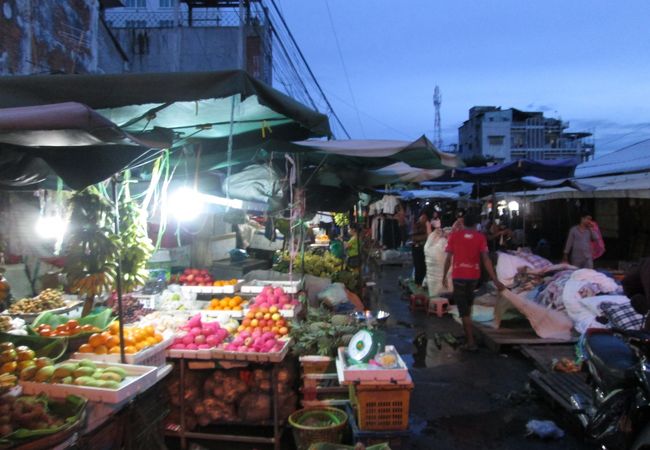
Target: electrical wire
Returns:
[[345, 69]]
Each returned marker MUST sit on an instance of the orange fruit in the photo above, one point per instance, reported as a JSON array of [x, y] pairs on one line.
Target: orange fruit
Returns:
[[86, 348], [101, 350], [140, 345], [283, 331], [106, 335], [150, 330], [113, 341], [241, 328], [129, 350], [114, 350], [114, 327], [96, 339], [128, 340], [158, 338], [237, 308]]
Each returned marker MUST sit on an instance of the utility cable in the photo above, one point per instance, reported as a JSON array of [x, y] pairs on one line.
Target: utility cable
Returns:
[[345, 69], [311, 73]]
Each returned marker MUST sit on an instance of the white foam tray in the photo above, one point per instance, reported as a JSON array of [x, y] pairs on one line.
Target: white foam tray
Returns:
[[348, 374], [135, 358], [138, 380], [230, 289], [256, 286]]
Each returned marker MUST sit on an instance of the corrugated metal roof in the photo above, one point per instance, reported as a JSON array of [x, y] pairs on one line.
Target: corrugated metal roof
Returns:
[[632, 185], [633, 158]]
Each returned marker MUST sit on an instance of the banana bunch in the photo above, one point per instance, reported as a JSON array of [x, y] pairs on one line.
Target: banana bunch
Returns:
[[93, 284], [136, 247], [7, 381], [341, 219]]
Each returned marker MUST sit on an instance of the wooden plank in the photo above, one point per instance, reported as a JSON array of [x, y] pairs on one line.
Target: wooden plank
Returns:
[[495, 338]]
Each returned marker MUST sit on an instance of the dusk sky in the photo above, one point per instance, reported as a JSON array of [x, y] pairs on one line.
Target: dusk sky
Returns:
[[586, 61]]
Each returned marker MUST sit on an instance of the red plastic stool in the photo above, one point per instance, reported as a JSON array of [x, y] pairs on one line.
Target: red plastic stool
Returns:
[[418, 301], [438, 306]]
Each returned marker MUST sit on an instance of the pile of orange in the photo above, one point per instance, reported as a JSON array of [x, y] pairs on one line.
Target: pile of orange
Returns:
[[220, 283], [108, 342], [265, 319], [226, 304]]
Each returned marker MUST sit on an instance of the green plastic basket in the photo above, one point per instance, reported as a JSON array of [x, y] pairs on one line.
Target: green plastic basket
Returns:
[[333, 423]]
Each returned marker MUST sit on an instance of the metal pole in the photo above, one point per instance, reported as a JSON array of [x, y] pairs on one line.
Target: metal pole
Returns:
[[242, 37], [118, 273]]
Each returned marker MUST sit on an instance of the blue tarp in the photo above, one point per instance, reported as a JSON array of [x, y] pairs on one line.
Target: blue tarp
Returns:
[[515, 170]]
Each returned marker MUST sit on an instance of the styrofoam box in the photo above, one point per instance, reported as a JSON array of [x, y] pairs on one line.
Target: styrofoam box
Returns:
[[274, 357], [221, 315], [190, 354], [349, 374], [138, 380], [144, 357], [286, 313], [256, 286], [230, 289]]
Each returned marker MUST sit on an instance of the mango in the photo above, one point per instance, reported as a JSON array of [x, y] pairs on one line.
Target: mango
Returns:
[[83, 381], [44, 374], [110, 376], [67, 380], [64, 370], [28, 373], [83, 372], [118, 370], [98, 373], [111, 385], [87, 363]]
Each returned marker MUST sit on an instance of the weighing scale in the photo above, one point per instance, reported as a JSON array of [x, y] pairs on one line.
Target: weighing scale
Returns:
[[367, 342]]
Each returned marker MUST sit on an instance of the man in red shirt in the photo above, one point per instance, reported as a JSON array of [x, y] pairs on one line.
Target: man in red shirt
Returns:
[[468, 248]]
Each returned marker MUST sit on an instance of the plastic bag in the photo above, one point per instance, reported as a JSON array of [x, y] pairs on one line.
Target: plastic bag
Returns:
[[545, 429]]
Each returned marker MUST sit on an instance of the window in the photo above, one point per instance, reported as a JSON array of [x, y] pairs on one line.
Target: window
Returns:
[[496, 141], [135, 3], [165, 3]]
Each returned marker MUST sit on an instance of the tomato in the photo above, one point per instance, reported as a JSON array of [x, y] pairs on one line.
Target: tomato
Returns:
[[72, 324]]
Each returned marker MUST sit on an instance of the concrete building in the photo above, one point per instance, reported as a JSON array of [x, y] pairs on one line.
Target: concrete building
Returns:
[[56, 36], [507, 134], [193, 36]]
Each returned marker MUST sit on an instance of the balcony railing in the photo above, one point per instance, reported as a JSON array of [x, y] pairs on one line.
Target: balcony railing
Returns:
[[134, 18]]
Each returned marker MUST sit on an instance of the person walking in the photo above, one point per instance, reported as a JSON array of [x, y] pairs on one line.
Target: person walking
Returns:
[[467, 249], [421, 231], [577, 249]]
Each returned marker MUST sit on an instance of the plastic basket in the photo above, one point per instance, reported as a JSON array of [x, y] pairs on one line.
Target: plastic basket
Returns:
[[305, 435], [382, 407], [391, 440]]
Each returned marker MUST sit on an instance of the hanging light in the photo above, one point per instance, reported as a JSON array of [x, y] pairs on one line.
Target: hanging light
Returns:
[[186, 204], [50, 227]]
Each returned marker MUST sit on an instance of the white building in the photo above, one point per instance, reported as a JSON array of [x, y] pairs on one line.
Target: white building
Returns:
[[507, 134]]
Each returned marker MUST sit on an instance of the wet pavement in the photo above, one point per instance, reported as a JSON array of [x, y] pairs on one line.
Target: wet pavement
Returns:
[[461, 400]]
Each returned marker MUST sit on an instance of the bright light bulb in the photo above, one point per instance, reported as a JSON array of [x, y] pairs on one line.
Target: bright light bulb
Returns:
[[50, 227], [513, 206], [186, 204]]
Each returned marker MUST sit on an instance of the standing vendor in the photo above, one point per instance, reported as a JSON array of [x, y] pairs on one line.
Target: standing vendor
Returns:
[[352, 249], [421, 230], [578, 244]]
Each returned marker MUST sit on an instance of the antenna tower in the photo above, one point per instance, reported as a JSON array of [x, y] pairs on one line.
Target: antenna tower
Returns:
[[437, 129]]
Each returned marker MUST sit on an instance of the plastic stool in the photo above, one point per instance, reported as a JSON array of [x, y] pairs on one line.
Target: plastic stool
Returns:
[[438, 306], [418, 301]]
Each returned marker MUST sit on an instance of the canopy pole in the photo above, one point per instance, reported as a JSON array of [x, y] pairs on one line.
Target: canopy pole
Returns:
[[118, 271], [230, 143]]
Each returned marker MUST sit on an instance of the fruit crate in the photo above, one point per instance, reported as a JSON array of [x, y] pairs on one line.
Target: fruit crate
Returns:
[[190, 354], [320, 383], [396, 440], [382, 407], [273, 357], [151, 356], [256, 286], [230, 289], [138, 379], [351, 374]]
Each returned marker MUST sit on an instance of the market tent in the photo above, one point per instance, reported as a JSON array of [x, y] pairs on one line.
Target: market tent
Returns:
[[635, 185], [428, 194], [458, 187], [400, 173], [204, 108], [633, 158], [194, 105], [513, 171], [562, 182], [420, 153], [62, 138]]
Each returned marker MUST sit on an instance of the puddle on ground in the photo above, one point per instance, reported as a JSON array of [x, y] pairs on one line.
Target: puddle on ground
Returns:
[[438, 350]]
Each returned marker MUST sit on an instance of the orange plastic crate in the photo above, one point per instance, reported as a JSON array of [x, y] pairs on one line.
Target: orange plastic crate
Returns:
[[382, 407]]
